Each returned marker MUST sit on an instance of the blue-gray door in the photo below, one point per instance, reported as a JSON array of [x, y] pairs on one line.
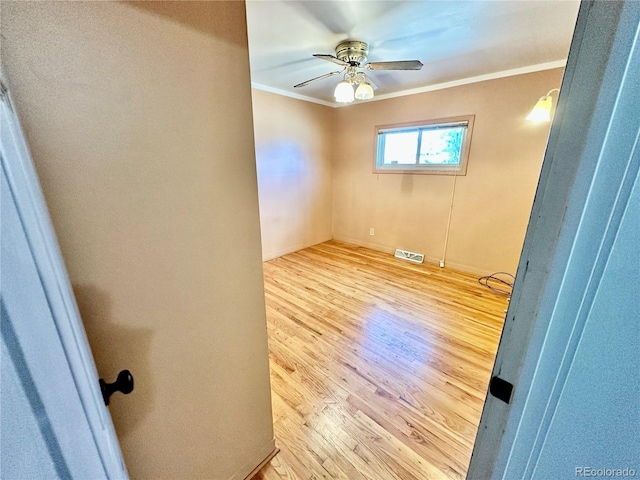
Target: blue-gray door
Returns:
[[571, 342]]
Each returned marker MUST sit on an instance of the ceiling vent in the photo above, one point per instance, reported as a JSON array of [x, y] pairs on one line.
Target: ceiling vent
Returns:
[[411, 256]]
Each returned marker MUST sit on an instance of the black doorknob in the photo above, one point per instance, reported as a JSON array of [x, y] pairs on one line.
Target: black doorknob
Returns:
[[124, 384]]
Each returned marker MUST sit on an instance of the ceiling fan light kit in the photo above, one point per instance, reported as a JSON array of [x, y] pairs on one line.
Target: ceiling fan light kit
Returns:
[[344, 92], [364, 91], [352, 55]]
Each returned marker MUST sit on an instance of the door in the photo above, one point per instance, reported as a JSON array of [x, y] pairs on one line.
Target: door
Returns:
[[54, 423], [570, 345]]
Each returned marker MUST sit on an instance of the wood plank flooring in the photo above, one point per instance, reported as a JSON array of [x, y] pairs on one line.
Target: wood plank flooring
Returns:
[[379, 367]]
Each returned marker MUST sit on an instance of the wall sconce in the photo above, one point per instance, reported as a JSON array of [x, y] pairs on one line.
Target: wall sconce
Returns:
[[542, 110]]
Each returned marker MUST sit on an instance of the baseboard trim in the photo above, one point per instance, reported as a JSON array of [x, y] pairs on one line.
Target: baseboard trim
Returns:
[[286, 251], [269, 457], [372, 246], [460, 267]]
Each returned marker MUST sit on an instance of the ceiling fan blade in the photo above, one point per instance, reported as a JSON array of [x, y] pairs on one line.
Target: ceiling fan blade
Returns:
[[326, 75], [401, 65], [331, 58]]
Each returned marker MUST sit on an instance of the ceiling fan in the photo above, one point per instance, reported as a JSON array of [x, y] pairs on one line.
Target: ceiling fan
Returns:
[[352, 55]]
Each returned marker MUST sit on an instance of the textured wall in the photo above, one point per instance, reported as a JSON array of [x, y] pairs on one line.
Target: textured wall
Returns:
[[492, 202], [139, 120], [294, 152]]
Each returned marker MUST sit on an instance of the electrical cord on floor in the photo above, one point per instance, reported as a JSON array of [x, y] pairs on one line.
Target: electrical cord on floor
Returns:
[[496, 280]]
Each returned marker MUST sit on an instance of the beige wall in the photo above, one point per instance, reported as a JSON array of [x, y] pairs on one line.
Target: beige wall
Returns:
[[139, 121], [294, 151], [492, 202]]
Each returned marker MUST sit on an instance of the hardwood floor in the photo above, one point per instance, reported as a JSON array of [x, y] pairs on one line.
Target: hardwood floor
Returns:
[[379, 367]]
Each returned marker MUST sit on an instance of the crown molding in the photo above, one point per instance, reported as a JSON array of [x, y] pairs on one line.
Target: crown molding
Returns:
[[429, 88], [284, 93]]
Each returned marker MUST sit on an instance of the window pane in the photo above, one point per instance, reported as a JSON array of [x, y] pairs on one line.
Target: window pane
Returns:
[[441, 146], [400, 148]]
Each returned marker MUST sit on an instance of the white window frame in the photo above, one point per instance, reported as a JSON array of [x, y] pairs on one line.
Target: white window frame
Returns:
[[459, 169]]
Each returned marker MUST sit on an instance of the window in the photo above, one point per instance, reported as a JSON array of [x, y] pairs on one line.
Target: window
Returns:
[[432, 147]]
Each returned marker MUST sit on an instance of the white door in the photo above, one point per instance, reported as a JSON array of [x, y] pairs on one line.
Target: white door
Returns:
[[567, 373], [53, 422]]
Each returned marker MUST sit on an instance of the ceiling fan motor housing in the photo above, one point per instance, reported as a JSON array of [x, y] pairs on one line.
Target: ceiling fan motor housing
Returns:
[[353, 52]]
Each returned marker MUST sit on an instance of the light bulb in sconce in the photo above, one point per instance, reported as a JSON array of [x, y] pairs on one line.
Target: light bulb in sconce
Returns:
[[542, 110], [364, 91], [344, 92]]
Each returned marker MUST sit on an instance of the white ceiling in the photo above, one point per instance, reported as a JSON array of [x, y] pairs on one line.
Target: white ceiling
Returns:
[[455, 40]]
